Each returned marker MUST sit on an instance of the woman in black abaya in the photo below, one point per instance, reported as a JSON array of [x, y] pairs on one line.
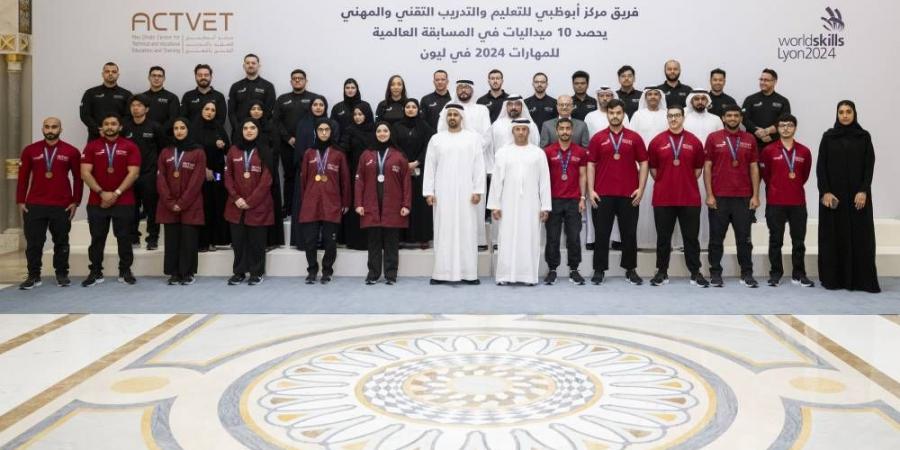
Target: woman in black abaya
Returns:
[[268, 137], [846, 226], [359, 136], [412, 135], [214, 139], [342, 112]]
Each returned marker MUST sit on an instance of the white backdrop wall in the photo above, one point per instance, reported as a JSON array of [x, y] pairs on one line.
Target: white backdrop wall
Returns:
[[331, 41]]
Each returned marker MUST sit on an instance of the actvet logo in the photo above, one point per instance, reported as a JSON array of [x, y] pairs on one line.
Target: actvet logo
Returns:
[[172, 21]]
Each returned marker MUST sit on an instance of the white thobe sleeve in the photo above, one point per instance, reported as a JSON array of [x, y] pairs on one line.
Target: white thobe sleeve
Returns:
[[478, 174], [544, 185], [431, 163], [496, 194]]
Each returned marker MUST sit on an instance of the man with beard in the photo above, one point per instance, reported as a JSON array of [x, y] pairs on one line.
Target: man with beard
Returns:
[[150, 139], [597, 120], [701, 124], [164, 106], [580, 133], [648, 122], [109, 167], [719, 99], [541, 106], [762, 109], [672, 88], [48, 200], [101, 100], [731, 175], [192, 101], [626, 92], [477, 120], [501, 130], [453, 184], [243, 92], [433, 103], [582, 103], [616, 176], [495, 97], [290, 109]]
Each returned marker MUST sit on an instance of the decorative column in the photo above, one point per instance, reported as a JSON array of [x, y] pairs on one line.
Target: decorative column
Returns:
[[15, 40]]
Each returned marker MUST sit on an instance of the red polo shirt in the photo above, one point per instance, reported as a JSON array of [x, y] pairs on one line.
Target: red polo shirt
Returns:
[[676, 185], [56, 190], [616, 177], [568, 188], [127, 155], [729, 180]]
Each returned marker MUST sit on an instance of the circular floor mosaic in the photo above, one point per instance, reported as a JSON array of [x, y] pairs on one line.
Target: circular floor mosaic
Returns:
[[477, 391]]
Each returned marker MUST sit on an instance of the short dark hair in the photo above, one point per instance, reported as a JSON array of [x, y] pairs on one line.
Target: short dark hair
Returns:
[[788, 118], [493, 71], [732, 108], [251, 55], [296, 71], [564, 120], [110, 63], [112, 114], [141, 98], [439, 71], [581, 74], [199, 67], [678, 107], [150, 72], [624, 69], [717, 71], [541, 74], [615, 103], [771, 72]]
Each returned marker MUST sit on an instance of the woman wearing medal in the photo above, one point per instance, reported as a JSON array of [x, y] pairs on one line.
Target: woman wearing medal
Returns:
[[325, 186], [248, 181], [383, 197], [181, 173]]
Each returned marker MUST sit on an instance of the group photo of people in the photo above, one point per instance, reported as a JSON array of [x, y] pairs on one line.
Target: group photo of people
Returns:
[[663, 168]]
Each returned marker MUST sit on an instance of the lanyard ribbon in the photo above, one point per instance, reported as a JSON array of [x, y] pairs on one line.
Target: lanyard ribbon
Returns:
[[248, 156], [676, 149], [616, 145], [322, 162], [48, 158], [565, 162], [733, 148], [110, 154], [381, 161], [790, 161]]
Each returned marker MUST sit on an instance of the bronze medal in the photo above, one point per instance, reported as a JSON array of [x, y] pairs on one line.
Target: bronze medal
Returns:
[[617, 156], [48, 175], [110, 170], [324, 178], [247, 175], [734, 163], [565, 177], [176, 174], [676, 162], [792, 175]]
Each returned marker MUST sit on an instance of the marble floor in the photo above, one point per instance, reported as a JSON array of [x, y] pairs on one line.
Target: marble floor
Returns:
[[357, 382]]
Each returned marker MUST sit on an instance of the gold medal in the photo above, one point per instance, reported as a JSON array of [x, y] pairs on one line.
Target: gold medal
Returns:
[[734, 163], [176, 174], [318, 177], [110, 170], [48, 175], [247, 175], [792, 175], [324, 178], [676, 162], [617, 156]]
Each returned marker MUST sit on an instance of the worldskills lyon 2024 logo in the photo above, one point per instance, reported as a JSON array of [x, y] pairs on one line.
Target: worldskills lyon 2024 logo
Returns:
[[810, 46]]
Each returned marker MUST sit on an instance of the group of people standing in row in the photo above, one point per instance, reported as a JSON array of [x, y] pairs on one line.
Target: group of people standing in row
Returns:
[[436, 170]]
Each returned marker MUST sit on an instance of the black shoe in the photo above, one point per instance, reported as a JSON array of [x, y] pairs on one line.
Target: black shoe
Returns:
[[127, 277], [632, 277], [472, 282], [236, 279], [749, 281], [174, 279], [30, 283], [434, 282], [390, 281], [550, 278], [803, 281], [589, 246], [310, 278], [370, 281], [62, 280], [254, 280], [576, 277], [325, 279], [715, 280], [187, 281], [697, 279], [659, 279], [774, 281], [597, 278], [482, 248], [152, 246], [92, 279], [615, 245]]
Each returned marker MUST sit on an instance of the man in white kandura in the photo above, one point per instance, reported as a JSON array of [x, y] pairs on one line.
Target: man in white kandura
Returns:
[[701, 122], [520, 201], [478, 119], [453, 185], [649, 121]]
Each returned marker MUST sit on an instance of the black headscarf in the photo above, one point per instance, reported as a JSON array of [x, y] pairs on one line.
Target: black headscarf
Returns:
[[840, 130], [324, 110], [350, 102], [263, 121], [265, 153], [381, 146], [320, 144], [411, 122], [188, 143]]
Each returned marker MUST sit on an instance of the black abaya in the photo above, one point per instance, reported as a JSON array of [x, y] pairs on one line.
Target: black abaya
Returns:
[[357, 139], [412, 136], [215, 231]]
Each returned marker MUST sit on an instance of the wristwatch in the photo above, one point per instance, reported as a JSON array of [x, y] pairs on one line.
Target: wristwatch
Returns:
[[118, 193]]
